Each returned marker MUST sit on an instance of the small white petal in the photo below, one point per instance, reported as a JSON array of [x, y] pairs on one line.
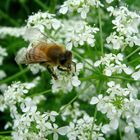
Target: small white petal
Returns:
[[97, 63], [114, 123], [101, 138], [33, 108], [56, 24], [48, 125], [63, 130], [79, 66], [54, 113], [55, 136], [127, 70], [69, 46], [105, 129], [94, 100], [75, 81], [111, 83], [108, 72], [83, 15], [137, 41], [136, 75], [63, 10]]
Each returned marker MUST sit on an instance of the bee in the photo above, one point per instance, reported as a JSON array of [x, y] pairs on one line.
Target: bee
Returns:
[[48, 55]]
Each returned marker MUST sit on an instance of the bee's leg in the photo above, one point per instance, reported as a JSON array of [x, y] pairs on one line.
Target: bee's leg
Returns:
[[74, 64], [43, 64], [62, 69], [51, 71]]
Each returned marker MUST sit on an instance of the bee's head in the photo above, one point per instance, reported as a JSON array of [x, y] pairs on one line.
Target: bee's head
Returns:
[[66, 60]]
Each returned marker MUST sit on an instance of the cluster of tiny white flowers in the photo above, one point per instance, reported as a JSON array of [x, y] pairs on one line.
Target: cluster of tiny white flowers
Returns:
[[82, 127], [28, 123], [119, 103], [77, 33], [126, 24], [34, 125], [12, 31], [81, 6], [15, 94], [43, 21], [66, 81], [113, 63], [72, 112]]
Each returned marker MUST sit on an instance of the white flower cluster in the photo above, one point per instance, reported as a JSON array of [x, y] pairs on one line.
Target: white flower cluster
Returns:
[[14, 94], [28, 123], [42, 21], [81, 6], [77, 33], [12, 31], [66, 81], [126, 24], [82, 127], [34, 125], [113, 63], [72, 112], [119, 103]]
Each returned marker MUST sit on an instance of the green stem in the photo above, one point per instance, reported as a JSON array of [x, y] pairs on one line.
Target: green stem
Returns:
[[101, 32], [132, 53], [93, 122], [14, 76], [41, 4], [83, 59], [88, 78], [134, 60], [123, 78], [101, 83], [24, 75], [69, 103], [103, 77], [40, 93], [120, 134], [5, 132]]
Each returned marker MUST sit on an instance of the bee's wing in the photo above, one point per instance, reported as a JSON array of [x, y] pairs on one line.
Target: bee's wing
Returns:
[[31, 56], [21, 55]]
